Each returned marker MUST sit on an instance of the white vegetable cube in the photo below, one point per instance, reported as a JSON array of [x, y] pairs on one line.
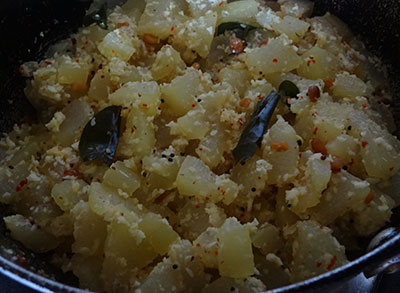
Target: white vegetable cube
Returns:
[[30, 235], [90, 230], [293, 27], [161, 17], [107, 203], [180, 94], [349, 86], [281, 151], [70, 71], [298, 8], [318, 173], [373, 140], [142, 95], [134, 8], [118, 43], [197, 34], [235, 254], [168, 64], [139, 138], [345, 192], [276, 56], [77, 114], [252, 176], [68, 193], [239, 11], [343, 146], [318, 63], [374, 214], [195, 178], [267, 239], [193, 125], [158, 232], [238, 78], [316, 252], [126, 249], [200, 7], [120, 176]]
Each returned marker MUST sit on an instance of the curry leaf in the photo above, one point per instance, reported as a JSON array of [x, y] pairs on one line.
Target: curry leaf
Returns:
[[252, 134], [97, 13], [288, 88], [240, 29], [99, 138]]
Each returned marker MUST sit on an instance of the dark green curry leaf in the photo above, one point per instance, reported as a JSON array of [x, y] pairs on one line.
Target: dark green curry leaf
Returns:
[[99, 138], [97, 13], [288, 88], [256, 127], [240, 29]]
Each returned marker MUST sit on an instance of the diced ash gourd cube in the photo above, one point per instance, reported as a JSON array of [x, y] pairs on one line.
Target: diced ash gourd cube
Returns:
[[117, 43], [68, 193], [235, 255], [196, 179], [145, 96], [158, 232], [70, 71], [120, 176]]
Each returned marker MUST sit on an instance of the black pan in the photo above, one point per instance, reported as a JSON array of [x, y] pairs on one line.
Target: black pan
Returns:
[[27, 27]]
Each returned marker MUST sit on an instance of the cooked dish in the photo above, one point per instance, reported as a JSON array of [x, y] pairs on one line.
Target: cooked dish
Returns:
[[202, 146]]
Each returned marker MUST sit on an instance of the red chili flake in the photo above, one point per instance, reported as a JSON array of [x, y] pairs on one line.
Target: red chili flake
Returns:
[[263, 43], [221, 3], [122, 214], [200, 149], [364, 106], [300, 155], [315, 130], [332, 263], [198, 244], [101, 41], [364, 143], [193, 105], [139, 95], [260, 97], [194, 182], [172, 29], [21, 184], [197, 206], [145, 105], [240, 121], [223, 193], [102, 76], [314, 93], [391, 169], [73, 40], [219, 188], [318, 264], [132, 130], [48, 62], [351, 161], [21, 68], [275, 60], [216, 252]]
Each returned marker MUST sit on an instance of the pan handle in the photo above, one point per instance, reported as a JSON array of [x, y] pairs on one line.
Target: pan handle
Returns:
[[387, 265]]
